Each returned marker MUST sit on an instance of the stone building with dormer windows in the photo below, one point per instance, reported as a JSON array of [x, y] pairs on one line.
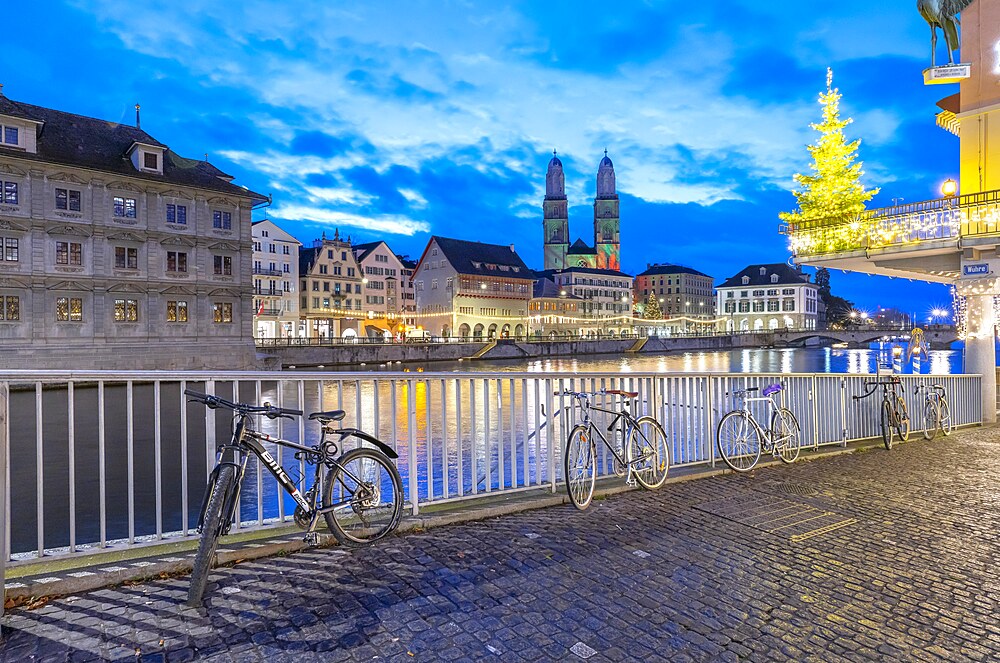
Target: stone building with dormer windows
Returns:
[[116, 251], [769, 297]]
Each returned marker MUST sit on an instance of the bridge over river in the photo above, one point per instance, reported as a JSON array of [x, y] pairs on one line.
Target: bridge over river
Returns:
[[288, 353]]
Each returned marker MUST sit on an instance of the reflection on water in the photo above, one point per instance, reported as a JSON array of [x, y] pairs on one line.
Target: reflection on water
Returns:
[[749, 360]]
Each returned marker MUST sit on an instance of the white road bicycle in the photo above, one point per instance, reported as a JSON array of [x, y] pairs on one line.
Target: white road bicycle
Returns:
[[741, 437]]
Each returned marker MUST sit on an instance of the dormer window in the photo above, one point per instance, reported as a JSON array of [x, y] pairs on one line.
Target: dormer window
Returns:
[[10, 135], [151, 160], [746, 280], [774, 278], [147, 158], [763, 271]]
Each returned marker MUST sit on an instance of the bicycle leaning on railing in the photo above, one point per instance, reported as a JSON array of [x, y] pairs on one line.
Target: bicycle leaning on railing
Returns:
[[362, 493], [893, 409], [740, 436], [644, 454], [937, 414]]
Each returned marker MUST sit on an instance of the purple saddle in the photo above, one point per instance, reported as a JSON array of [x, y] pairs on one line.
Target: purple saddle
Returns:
[[771, 389]]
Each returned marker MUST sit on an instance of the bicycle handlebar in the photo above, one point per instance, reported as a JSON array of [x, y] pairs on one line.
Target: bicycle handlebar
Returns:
[[602, 392], [268, 410], [935, 387]]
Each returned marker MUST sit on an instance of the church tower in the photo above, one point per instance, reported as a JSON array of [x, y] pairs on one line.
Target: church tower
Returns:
[[556, 217], [607, 242]]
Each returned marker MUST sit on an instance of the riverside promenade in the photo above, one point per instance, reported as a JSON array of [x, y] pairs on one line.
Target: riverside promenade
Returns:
[[857, 557]]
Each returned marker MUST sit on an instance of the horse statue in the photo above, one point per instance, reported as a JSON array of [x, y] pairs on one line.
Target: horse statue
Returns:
[[943, 14]]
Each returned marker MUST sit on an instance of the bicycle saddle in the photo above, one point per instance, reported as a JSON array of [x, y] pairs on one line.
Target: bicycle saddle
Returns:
[[772, 389], [329, 415], [620, 392]]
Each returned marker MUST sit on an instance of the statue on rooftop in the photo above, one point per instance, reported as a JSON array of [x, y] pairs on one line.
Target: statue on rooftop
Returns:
[[943, 14]]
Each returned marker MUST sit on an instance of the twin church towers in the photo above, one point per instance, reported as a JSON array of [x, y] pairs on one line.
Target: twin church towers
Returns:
[[606, 251]]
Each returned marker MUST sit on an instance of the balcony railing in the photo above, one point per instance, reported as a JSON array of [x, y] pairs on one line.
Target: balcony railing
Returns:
[[915, 225], [268, 272], [268, 311]]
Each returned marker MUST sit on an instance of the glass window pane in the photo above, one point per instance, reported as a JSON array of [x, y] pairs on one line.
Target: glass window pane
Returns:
[[171, 213], [13, 308], [76, 309], [171, 311], [130, 208], [10, 135], [62, 308], [181, 214], [119, 310], [74, 201], [61, 199], [182, 312]]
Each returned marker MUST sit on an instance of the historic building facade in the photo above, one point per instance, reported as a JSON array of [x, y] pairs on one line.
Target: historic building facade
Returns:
[[275, 281], [606, 250], [118, 252], [605, 306], [553, 311], [686, 298], [472, 290], [768, 297], [383, 287], [330, 287]]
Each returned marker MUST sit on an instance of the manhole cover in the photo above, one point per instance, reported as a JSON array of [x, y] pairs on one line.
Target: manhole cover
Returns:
[[800, 489], [793, 520]]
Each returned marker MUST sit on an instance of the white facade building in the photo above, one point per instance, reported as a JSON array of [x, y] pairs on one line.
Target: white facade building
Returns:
[[275, 281], [606, 299], [763, 297], [472, 290], [383, 287]]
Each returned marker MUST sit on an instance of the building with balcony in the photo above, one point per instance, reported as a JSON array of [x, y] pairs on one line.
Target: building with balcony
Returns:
[[685, 296], [954, 239], [769, 297], [383, 288], [117, 251], [552, 312], [605, 295], [275, 281], [330, 289], [472, 290]]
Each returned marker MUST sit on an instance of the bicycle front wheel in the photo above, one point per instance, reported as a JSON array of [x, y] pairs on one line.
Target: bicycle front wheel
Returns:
[[931, 416], [365, 496], [211, 529], [903, 420], [887, 425], [786, 434], [648, 454], [946, 424], [738, 441], [581, 467]]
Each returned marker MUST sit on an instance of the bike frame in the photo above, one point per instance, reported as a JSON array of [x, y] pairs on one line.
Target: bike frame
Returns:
[[628, 429], [771, 409]]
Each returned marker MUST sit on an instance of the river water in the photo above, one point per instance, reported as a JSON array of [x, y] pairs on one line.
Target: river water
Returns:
[[378, 408]]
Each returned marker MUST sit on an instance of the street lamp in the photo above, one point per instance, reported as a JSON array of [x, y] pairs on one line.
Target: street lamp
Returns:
[[949, 188]]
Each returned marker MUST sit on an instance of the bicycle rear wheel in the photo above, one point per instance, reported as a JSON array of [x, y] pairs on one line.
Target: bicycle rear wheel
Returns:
[[946, 424], [366, 492], [786, 434], [580, 466], [211, 529], [647, 453], [903, 421], [887, 425], [931, 416], [738, 441]]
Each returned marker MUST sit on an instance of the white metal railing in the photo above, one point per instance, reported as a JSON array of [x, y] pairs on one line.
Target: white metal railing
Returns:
[[120, 459]]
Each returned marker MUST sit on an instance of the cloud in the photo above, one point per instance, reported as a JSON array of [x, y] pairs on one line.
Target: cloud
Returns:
[[322, 217]]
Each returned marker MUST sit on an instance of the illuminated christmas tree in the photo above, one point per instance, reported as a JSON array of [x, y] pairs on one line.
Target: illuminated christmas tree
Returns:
[[833, 191], [652, 310]]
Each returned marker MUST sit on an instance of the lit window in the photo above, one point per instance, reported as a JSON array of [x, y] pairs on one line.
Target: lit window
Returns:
[[177, 311], [10, 308], [126, 310], [222, 312], [69, 309]]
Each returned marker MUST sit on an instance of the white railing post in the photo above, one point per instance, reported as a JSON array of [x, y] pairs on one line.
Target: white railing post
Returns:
[[4, 497], [411, 455]]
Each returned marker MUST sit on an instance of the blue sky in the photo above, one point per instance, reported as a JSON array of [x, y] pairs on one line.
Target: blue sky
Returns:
[[398, 120]]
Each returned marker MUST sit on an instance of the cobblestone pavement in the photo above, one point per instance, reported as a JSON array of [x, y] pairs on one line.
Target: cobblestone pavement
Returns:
[[877, 554]]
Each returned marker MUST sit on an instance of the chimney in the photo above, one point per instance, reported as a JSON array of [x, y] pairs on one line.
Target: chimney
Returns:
[[137, 125], [512, 248], [1, 89]]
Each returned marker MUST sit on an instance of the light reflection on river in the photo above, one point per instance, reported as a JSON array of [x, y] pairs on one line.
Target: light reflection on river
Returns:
[[750, 360]]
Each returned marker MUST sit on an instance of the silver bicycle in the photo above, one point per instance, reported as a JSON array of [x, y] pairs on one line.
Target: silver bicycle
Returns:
[[741, 437], [937, 413]]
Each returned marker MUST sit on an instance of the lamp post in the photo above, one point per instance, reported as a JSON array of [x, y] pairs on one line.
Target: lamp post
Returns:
[[949, 188]]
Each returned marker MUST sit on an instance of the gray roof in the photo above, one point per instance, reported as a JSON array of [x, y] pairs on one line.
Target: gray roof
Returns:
[[361, 251], [547, 288], [786, 276], [579, 247], [594, 270], [655, 270], [86, 142], [474, 257]]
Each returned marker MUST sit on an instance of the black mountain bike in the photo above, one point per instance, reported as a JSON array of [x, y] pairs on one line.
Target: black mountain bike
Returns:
[[893, 410], [362, 493]]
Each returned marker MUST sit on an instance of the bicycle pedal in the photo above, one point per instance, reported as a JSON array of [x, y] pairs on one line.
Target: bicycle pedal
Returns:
[[311, 539]]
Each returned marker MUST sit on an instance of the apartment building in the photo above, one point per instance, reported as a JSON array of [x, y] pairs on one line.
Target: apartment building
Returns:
[[275, 281], [330, 289], [769, 296]]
